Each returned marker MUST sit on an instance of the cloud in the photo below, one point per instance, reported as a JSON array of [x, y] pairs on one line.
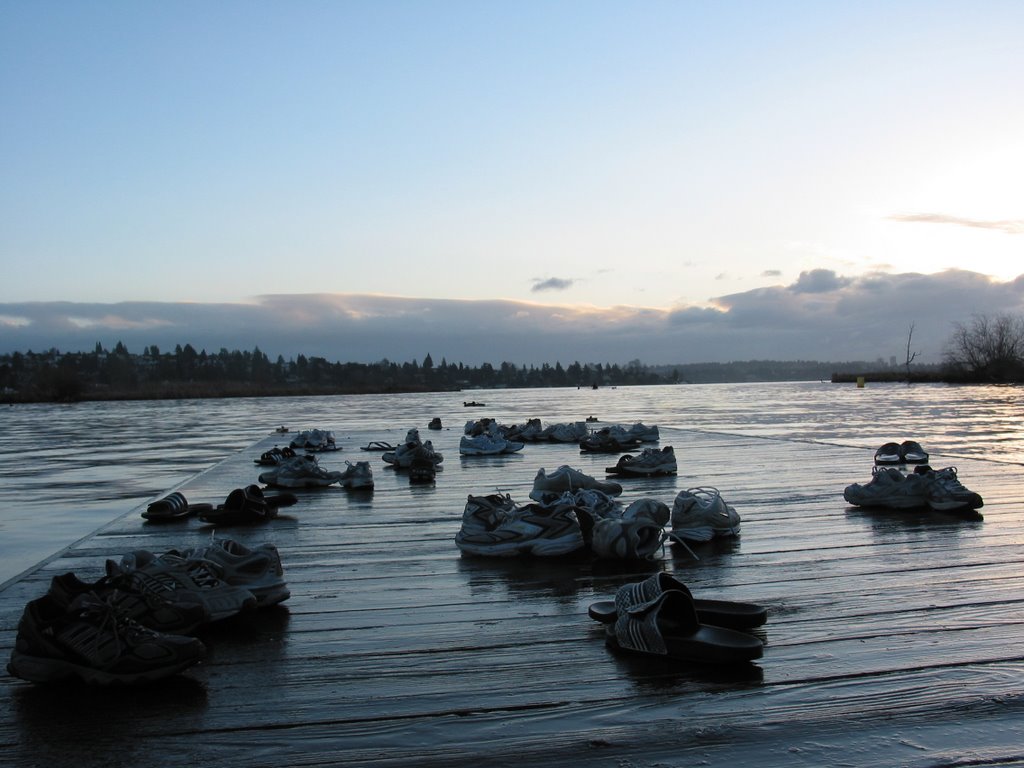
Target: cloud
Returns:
[[552, 284], [772, 273], [1010, 226], [818, 281], [820, 316]]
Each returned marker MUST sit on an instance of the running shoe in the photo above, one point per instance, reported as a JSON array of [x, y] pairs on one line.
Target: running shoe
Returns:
[[634, 533], [258, 570], [300, 472], [482, 445], [356, 476], [946, 493], [623, 539], [92, 641], [603, 442], [701, 514], [530, 530], [649, 462], [485, 513], [889, 488], [568, 433], [638, 431], [422, 470], [150, 609], [565, 478], [184, 581]]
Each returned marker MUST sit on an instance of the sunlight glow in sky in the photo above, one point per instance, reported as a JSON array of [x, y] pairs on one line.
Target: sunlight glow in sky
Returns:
[[657, 154]]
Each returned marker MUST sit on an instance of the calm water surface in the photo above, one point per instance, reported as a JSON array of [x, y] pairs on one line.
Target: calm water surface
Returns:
[[66, 470]]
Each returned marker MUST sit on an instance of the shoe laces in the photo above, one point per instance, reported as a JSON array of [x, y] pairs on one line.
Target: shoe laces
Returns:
[[109, 622]]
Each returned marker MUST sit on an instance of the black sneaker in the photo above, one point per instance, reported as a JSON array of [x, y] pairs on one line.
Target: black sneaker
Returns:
[[150, 609], [89, 640], [422, 470]]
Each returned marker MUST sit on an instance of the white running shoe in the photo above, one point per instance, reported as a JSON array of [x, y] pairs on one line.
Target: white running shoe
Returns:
[[701, 514]]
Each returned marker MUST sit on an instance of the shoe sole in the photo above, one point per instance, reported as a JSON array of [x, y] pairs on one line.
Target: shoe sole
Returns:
[[41, 669], [540, 548], [644, 471]]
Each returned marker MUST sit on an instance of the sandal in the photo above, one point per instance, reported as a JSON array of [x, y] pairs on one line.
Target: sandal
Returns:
[[377, 445], [668, 627], [720, 613], [248, 505], [174, 506]]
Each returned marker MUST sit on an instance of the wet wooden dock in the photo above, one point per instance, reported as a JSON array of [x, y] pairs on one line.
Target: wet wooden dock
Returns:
[[894, 638]]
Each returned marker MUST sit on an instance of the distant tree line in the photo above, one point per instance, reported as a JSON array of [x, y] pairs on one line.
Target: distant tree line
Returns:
[[987, 349], [119, 374]]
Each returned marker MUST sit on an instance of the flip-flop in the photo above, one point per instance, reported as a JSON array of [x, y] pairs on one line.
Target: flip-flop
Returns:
[[668, 627], [719, 613], [377, 445], [248, 505], [275, 456], [173, 506]]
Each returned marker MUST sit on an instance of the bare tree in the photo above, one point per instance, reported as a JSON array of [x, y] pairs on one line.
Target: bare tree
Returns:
[[989, 347], [910, 357]]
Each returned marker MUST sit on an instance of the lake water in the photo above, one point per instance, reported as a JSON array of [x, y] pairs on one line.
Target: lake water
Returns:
[[67, 470]]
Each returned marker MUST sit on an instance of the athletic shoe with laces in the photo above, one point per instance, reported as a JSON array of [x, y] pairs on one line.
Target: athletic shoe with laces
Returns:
[[649, 462], [150, 609], [622, 539], [701, 514], [485, 513], [529, 530], [889, 488], [92, 641], [300, 472], [356, 476], [565, 478], [638, 431], [946, 493], [258, 570], [184, 581], [634, 533], [482, 445]]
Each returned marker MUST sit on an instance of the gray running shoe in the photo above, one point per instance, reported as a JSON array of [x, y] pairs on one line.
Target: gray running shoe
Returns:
[[651, 461], [356, 476], [258, 570], [184, 581], [701, 514], [485, 513], [300, 472], [92, 641], [565, 478], [530, 530], [946, 493], [889, 488]]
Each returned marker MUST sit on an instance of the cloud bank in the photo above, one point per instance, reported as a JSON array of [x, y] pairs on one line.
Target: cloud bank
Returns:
[[820, 316], [1010, 227]]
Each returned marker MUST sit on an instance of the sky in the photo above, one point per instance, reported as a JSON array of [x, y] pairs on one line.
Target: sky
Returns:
[[530, 182]]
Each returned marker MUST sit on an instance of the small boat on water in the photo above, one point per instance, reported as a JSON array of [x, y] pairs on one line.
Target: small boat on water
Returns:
[[473, 404]]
